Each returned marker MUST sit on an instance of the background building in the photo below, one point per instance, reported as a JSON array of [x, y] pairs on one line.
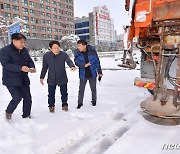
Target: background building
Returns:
[[97, 28], [46, 19], [82, 27]]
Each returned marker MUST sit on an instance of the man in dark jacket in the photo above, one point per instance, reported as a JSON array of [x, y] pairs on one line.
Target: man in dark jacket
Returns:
[[16, 63], [88, 62], [54, 62]]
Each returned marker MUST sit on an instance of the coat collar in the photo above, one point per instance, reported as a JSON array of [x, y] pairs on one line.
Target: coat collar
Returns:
[[89, 50], [14, 48]]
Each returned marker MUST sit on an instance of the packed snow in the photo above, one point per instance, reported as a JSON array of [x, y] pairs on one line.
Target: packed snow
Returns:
[[114, 126]]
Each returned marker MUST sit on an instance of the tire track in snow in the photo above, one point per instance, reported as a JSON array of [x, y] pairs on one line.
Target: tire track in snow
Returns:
[[99, 140]]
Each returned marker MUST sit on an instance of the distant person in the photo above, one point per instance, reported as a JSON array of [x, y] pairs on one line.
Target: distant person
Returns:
[[16, 63], [87, 60], [54, 62]]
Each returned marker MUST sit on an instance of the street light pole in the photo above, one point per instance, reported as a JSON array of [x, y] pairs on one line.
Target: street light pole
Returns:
[[9, 36]]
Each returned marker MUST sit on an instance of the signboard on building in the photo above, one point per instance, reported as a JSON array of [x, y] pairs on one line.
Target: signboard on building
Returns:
[[15, 28]]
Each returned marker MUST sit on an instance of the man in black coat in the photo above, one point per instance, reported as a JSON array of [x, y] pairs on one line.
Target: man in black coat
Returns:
[[16, 63], [54, 62]]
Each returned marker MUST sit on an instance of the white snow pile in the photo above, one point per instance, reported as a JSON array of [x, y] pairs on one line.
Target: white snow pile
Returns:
[[114, 126]]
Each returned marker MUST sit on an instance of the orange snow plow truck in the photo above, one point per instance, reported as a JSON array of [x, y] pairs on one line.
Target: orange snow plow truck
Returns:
[[153, 27]]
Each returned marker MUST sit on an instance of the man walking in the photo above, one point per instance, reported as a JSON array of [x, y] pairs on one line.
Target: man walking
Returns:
[[88, 62], [16, 63], [54, 62]]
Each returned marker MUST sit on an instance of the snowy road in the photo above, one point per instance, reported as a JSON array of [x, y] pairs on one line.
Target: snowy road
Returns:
[[114, 126]]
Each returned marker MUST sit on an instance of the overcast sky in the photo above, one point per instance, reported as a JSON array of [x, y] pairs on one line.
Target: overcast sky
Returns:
[[116, 8]]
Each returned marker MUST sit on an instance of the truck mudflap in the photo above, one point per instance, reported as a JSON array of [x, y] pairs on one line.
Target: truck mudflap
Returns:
[[145, 83]]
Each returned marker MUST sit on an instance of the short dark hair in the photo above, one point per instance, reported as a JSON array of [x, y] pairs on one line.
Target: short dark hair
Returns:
[[83, 42], [17, 36], [51, 43]]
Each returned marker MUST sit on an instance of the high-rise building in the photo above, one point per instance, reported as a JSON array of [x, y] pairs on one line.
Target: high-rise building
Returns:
[[46, 19], [97, 28], [82, 28]]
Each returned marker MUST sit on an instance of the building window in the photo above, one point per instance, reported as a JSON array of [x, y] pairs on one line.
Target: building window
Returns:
[[32, 12], [27, 35], [82, 31], [67, 32], [55, 23], [60, 25], [70, 1], [67, 13], [66, 7], [60, 11], [49, 30], [82, 24], [25, 18], [25, 2], [43, 21], [8, 16], [31, 4], [48, 15], [43, 36], [48, 9], [43, 29], [60, 18], [42, 14], [42, 1], [56, 37], [27, 27], [33, 20], [67, 19], [47, 1], [55, 30], [50, 37], [34, 35], [71, 14], [59, 4], [7, 7], [25, 10], [54, 16], [48, 22], [54, 3], [54, 10], [41, 6], [15, 1], [15, 8], [16, 15], [33, 28], [86, 37], [60, 31]]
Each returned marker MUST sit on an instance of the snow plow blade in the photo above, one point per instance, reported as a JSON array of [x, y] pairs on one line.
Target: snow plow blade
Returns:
[[130, 63], [155, 108]]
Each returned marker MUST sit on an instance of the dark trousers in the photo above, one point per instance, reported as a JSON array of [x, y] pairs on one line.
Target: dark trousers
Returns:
[[92, 83], [51, 95], [19, 93]]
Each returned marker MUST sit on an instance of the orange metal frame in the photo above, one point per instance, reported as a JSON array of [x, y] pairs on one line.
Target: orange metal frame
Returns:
[[160, 10]]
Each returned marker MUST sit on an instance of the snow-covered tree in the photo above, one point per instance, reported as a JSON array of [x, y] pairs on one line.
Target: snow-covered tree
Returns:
[[69, 43]]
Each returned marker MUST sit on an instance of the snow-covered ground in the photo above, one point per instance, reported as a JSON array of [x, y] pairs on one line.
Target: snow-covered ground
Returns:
[[114, 126]]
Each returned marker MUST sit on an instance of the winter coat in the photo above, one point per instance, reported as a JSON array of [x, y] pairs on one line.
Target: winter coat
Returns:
[[95, 66], [55, 64], [12, 61]]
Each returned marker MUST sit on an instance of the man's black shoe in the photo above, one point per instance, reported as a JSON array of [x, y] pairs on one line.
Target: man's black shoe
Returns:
[[23, 116], [93, 103], [79, 106]]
